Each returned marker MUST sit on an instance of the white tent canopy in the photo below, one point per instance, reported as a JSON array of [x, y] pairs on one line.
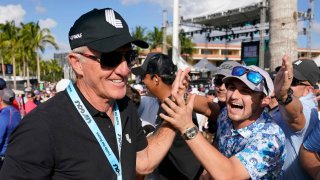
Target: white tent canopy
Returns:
[[204, 66]]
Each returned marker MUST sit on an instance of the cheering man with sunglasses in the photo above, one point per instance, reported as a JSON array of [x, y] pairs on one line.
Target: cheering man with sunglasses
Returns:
[[297, 113], [250, 144], [91, 130], [212, 109]]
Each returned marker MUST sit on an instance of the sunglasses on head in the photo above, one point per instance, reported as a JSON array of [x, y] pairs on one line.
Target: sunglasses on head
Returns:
[[296, 82], [114, 58], [253, 76]]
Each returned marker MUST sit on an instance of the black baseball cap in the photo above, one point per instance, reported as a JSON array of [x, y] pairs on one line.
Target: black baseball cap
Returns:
[[306, 70], [103, 30], [156, 63]]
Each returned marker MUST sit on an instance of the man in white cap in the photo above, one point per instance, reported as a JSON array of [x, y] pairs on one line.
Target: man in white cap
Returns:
[[250, 144]]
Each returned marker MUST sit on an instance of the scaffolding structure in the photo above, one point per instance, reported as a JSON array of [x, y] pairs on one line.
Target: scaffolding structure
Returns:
[[244, 23]]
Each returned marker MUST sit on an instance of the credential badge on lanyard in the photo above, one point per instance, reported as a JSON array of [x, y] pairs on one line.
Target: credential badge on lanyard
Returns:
[[115, 164]]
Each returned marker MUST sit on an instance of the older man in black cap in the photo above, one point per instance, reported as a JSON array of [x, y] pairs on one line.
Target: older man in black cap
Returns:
[[91, 130]]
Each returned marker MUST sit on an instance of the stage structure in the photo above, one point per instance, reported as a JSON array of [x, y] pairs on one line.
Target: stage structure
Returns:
[[245, 23]]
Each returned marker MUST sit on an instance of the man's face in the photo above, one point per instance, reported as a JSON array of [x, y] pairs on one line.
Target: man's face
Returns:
[[242, 103], [106, 82], [220, 88], [300, 88], [148, 81], [210, 97]]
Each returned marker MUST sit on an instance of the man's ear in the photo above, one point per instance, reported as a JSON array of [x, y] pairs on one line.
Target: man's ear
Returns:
[[156, 78], [75, 64], [307, 90], [266, 101]]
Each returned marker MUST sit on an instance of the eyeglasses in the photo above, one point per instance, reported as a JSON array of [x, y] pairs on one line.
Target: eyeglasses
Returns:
[[113, 59], [253, 76], [296, 82]]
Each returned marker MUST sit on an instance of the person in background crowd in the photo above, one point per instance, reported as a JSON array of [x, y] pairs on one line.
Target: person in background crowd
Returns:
[[91, 130], [37, 98], [139, 88], [297, 113], [3, 85], [9, 119], [251, 144], [29, 105], [310, 153], [157, 73], [148, 109], [135, 96], [273, 105], [211, 95]]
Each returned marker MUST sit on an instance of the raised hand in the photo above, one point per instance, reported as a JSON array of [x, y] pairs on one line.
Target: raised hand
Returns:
[[181, 83], [179, 113], [283, 79]]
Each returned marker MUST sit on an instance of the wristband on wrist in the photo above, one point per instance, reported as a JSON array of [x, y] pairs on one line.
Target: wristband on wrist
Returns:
[[288, 100]]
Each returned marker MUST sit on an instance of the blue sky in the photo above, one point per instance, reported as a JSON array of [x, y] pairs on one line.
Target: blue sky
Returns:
[[59, 16]]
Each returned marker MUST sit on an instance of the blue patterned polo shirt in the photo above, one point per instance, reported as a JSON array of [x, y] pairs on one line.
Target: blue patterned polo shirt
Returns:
[[259, 146]]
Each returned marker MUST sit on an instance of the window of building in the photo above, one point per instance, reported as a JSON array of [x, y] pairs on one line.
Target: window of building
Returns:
[[206, 51], [226, 52]]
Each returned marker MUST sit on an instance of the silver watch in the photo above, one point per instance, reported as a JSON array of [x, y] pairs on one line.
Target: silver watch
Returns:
[[190, 133]]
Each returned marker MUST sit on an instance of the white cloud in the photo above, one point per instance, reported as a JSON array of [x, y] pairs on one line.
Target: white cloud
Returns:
[[12, 13], [63, 47], [47, 23], [40, 9], [196, 8], [162, 3], [48, 54]]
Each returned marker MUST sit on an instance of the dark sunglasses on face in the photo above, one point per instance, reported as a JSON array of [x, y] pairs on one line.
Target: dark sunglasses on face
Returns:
[[253, 76], [296, 82], [114, 58]]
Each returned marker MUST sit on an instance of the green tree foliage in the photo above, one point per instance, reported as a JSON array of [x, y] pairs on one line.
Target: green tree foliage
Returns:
[[155, 38], [23, 44]]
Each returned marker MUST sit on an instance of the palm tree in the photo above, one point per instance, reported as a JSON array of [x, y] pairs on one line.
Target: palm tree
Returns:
[[51, 70], [28, 52], [283, 30], [155, 38], [41, 37], [139, 33], [2, 49], [11, 42]]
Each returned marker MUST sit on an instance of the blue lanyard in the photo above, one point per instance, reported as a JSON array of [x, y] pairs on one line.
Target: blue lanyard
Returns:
[[115, 164]]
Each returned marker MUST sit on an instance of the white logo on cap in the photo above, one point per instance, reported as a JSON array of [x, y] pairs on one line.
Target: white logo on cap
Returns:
[[298, 62], [110, 18], [76, 36]]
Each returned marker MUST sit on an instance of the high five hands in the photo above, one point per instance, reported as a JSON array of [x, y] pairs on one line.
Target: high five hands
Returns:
[[179, 110]]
